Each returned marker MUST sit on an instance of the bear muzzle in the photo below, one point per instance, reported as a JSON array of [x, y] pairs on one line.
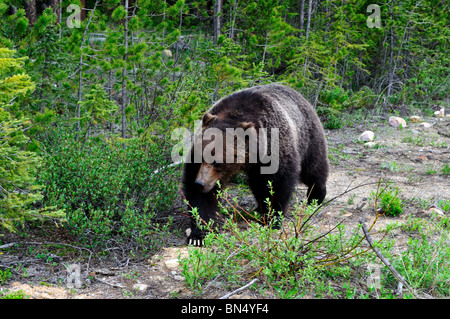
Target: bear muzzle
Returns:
[[206, 178]]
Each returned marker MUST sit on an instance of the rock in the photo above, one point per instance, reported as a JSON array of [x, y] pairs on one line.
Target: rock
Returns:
[[422, 158], [415, 119], [140, 287], [397, 121], [178, 278], [440, 113], [366, 136], [171, 263], [425, 125], [167, 53], [435, 210], [370, 144]]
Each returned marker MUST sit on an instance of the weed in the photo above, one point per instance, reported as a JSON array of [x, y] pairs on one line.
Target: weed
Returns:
[[5, 275], [296, 260], [392, 166], [446, 170], [13, 295], [388, 198], [444, 205]]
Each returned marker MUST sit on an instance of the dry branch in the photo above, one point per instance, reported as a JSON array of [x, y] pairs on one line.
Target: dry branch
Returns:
[[384, 260]]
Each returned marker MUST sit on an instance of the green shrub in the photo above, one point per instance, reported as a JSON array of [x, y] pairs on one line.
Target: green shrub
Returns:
[[293, 261], [388, 201], [446, 170], [108, 190]]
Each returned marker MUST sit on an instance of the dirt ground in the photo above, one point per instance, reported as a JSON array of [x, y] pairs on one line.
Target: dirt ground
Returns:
[[412, 157]]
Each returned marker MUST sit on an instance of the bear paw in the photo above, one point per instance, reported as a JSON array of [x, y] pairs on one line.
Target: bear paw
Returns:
[[194, 239]]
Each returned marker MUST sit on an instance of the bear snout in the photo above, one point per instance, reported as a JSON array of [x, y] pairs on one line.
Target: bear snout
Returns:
[[206, 178], [200, 184]]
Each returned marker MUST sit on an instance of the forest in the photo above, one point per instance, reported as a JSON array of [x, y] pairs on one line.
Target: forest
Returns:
[[91, 90]]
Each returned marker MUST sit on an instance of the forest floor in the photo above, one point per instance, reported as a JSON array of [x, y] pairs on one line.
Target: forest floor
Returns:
[[412, 157]]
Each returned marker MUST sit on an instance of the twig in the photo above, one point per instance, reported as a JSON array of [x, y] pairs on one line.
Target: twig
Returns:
[[383, 259], [239, 289], [7, 245], [109, 284], [63, 244]]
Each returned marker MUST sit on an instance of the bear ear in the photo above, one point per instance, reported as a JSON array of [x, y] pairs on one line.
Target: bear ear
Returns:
[[246, 125], [208, 117]]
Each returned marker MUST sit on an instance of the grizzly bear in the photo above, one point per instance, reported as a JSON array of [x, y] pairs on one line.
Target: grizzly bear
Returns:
[[272, 117]]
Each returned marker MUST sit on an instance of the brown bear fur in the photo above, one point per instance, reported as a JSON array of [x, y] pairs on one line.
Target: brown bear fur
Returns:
[[302, 151]]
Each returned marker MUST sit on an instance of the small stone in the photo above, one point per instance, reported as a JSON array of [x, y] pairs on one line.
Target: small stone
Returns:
[[140, 287], [179, 278], [415, 119], [367, 136], [396, 121], [435, 210], [425, 125], [440, 113], [370, 144], [167, 53], [171, 263]]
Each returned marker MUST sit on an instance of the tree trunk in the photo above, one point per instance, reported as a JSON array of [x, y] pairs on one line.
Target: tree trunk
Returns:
[[124, 74], [391, 57], [216, 19], [30, 11], [83, 11], [233, 18], [80, 75], [308, 24], [302, 16]]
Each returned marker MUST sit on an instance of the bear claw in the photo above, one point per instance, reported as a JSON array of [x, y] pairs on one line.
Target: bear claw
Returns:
[[196, 242]]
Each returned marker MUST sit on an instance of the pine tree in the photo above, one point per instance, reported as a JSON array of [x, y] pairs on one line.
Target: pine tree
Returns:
[[17, 165]]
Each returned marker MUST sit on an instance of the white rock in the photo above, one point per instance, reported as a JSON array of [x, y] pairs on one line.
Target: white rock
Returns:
[[140, 287], [366, 136], [435, 210], [425, 125], [171, 263], [167, 53], [397, 121], [440, 113], [370, 144], [178, 277], [415, 119]]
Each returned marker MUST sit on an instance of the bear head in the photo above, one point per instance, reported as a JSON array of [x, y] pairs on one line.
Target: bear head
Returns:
[[226, 145]]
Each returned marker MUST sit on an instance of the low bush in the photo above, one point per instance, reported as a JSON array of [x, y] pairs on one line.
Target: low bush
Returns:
[[106, 189]]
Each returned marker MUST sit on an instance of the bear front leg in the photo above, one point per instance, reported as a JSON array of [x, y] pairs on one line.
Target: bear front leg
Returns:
[[206, 204]]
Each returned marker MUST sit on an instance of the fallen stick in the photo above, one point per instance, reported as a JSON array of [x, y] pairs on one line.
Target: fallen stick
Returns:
[[239, 289], [384, 260], [7, 245]]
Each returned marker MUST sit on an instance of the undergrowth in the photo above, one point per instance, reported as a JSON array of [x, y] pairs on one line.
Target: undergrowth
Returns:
[[307, 258]]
